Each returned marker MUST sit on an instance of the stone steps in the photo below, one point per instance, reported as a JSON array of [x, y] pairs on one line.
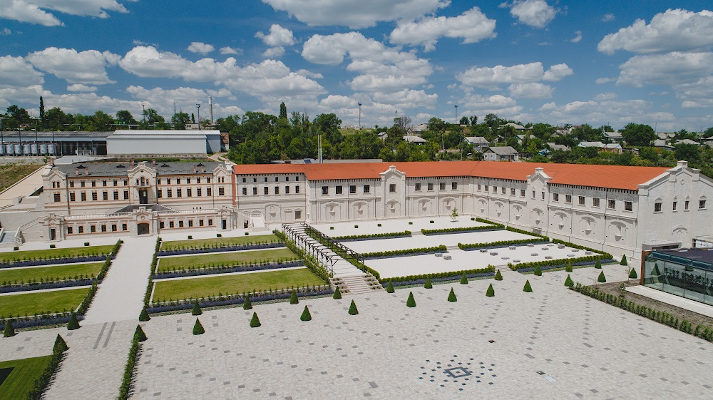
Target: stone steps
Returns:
[[364, 283]]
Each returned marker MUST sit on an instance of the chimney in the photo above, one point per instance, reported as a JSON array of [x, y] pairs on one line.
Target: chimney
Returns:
[[194, 169], [76, 172], [153, 162], [202, 169], [132, 163]]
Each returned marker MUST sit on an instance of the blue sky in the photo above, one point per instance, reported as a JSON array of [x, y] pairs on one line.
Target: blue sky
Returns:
[[605, 62]]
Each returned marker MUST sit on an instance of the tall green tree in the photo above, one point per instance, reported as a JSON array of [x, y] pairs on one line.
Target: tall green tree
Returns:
[[638, 134], [283, 110], [42, 113], [179, 120], [124, 117]]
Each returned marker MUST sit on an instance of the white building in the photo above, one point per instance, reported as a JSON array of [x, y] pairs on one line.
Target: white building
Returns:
[[150, 142], [501, 153]]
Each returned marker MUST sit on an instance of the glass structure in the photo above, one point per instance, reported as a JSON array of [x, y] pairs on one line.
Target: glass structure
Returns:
[[687, 273]]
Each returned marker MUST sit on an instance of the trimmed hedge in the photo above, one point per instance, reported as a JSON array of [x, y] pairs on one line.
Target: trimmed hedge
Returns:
[[405, 252], [154, 263], [43, 381], [440, 276], [256, 246], [500, 243], [524, 232], [552, 264], [125, 388], [387, 235], [445, 231], [224, 270]]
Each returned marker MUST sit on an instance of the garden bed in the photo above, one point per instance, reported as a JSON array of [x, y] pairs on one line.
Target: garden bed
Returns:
[[229, 259], [57, 256], [62, 272], [56, 301], [226, 270], [22, 378], [217, 243]]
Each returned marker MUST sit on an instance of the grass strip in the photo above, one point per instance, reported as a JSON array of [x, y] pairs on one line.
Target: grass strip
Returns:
[[7, 257], [225, 259], [11, 276], [217, 242], [22, 378], [41, 302]]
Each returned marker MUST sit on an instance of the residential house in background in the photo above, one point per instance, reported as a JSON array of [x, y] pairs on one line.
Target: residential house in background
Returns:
[[503, 153]]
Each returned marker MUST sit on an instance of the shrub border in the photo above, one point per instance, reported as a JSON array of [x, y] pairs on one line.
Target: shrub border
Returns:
[[387, 235], [500, 243], [438, 276], [406, 252], [43, 381], [130, 369]]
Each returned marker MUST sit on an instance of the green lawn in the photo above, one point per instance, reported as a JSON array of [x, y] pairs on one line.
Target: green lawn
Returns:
[[179, 289], [32, 303], [11, 173], [55, 253], [53, 273], [232, 258], [22, 378], [217, 242]]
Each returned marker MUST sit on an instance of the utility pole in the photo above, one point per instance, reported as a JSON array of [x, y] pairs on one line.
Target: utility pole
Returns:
[[199, 116], [359, 116], [210, 101], [143, 110], [456, 106]]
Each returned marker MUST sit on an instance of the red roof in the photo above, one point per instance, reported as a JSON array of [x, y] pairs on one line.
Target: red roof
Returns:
[[606, 176]]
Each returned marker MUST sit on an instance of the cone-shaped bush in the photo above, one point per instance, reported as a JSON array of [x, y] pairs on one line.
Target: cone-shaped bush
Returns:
[[255, 321], [144, 316], [527, 287], [198, 328], [60, 346], [633, 274], [337, 294], [196, 309], [353, 309], [306, 316], [390, 288], [602, 278], [463, 279], [452, 296], [655, 271], [498, 276], [538, 271], [140, 335], [410, 302], [623, 260], [428, 284], [9, 329], [598, 264], [293, 297], [568, 268], [568, 282], [73, 322], [490, 292], [247, 304]]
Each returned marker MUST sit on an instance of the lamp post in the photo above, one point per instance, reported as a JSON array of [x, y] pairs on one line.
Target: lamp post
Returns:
[[359, 115], [456, 106], [143, 111], [199, 116]]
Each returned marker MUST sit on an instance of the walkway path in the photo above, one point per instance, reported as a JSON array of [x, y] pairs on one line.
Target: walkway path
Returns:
[[24, 187]]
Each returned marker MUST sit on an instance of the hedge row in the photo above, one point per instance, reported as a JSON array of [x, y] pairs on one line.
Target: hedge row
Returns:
[[41, 320], [154, 262], [204, 250], [702, 331], [308, 260], [405, 252], [26, 287], [66, 260], [116, 248], [490, 270], [43, 381], [220, 270], [125, 389], [87, 301], [386, 235], [493, 227], [524, 232], [500, 243], [551, 264]]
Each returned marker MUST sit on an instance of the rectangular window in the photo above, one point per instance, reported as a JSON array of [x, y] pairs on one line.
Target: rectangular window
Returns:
[[57, 198], [685, 205], [628, 206], [179, 192], [611, 204], [522, 192], [338, 190], [200, 222], [159, 194], [392, 188], [170, 224], [126, 195], [555, 197], [277, 190], [113, 228], [265, 190], [71, 183], [190, 223], [502, 190], [581, 200], [158, 181], [287, 179], [93, 229], [221, 191], [352, 189], [417, 187], [180, 224], [105, 196], [245, 191], [94, 183], [103, 183], [188, 181], [287, 190], [161, 225], [512, 191], [125, 227], [543, 195], [207, 179], [69, 230], [325, 190], [189, 192], [568, 198], [83, 196], [595, 202], [169, 193], [657, 206], [178, 181], [367, 189], [454, 185], [81, 183], [208, 192], [298, 214], [297, 189], [103, 228], [210, 222], [675, 205], [94, 196], [533, 195], [441, 186], [430, 186], [479, 187], [168, 181], [495, 189], [72, 197], [701, 204], [277, 179], [81, 229], [116, 194]]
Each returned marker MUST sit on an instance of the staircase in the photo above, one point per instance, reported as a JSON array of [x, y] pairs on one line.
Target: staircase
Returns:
[[356, 284]]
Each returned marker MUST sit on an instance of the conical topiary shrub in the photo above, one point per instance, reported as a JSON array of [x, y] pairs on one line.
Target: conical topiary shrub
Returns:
[[568, 282], [144, 316], [353, 309], [293, 297], [633, 274], [140, 335], [247, 304], [9, 329], [602, 278], [568, 268], [538, 270], [463, 279], [198, 328], [410, 302], [655, 271], [60, 346], [390, 288], [255, 321], [306, 316], [527, 287], [73, 322], [623, 260], [337, 294], [498, 276], [598, 264], [490, 292], [428, 284], [196, 309], [452, 296]]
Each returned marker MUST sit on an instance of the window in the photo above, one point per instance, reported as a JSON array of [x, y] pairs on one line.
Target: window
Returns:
[[367, 189], [265, 190], [179, 192], [297, 189], [287, 179], [210, 222], [297, 178], [200, 222], [126, 195], [595, 202], [57, 198], [442, 186], [116, 194], [522, 192], [199, 191], [417, 187], [188, 181], [325, 190], [190, 223], [338, 190], [169, 193], [495, 189], [180, 224], [581, 200], [221, 191], [611, 204], [103, 228], [69, 230], [83, 196], [502, 190], [125, 227], [479, 187], [159, 194], [178, 181], [657, 206], [71, 183], [512, 191], [105, 196], [103, 183], [81, 229], [94, 183], [199, 181], [392, 188], [113, 228], [555, 197], [543, 195], [287, 190], [276, 179], [72, 197], [82, 183], [686, 204], [430, 186], [208, 192], [170, 224], [168, 181], [92, 229], [161, 225], [189, 192], [675, 205], [628, 206], [352, 189], [298, 214], [207, 179], [94, 196], [454, 185], [701, 204], [568, 198], [277, 190], [533, 195]]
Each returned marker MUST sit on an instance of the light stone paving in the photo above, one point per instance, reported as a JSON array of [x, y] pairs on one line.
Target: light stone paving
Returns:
[[420, 241], [394, 225], [552, 343]]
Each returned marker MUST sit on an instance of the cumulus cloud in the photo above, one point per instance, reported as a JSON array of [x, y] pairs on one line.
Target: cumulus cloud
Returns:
[[355, 13], [673, 30], [86, 67], [665, 69], [601, 81], [40, 11], [577, 37], [16, 71], [534, 13], [492, 77], [531, 90], [231, 51], [78, 87], [557, 72], [475, 104], [277, 37], [605, 109], [274, 52], [608, 17], [473, 26], [405, 99], [200, 48]]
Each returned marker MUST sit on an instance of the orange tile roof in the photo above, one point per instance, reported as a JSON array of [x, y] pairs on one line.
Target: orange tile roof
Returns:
[[605, 176]]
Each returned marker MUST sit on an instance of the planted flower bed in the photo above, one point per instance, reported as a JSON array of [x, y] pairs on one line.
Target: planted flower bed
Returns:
[[58, 256], [217, 242], [445, 231], [225, 260], [46, 285], [561, 263], [387, 235], [440, 276], [256, 246], [225, 270], [405, 252], [501, 243]]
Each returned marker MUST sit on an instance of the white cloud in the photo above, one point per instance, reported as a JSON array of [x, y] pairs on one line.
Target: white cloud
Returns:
[[277, 37], [503, 106], [665, 69], [355, 13], [601, 81], [16, 72], [531, 90], [473, 26], [231, 51], [200, 48], [608, 17], [491, 77], [86, 67], [147, 62], [605, 96], [5, 32], [577, 37], [274, 52], [534, 13], [406, 99], [557, 72], [40, 11], [673, 30], [78, 87], [604, 109], [338, 101]]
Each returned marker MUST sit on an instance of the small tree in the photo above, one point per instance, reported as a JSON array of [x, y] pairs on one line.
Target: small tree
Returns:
[[9, 329], [538, 270], [633, 274], [140, 335], [73, 322], [623, 260], [428, 284], [198, 328], [255, 321], [454, 214], [527, 288], [306, 316], [498, 276], [490, 292], [144, 316], [353, 309], [568, 268], [60, 346], [568, 282], [390, 288], [602, 278], [293, 297], [598, 264], [337, 294], [196, 309], [452, 296], [411, 302], [463, 279], [247, 304]]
